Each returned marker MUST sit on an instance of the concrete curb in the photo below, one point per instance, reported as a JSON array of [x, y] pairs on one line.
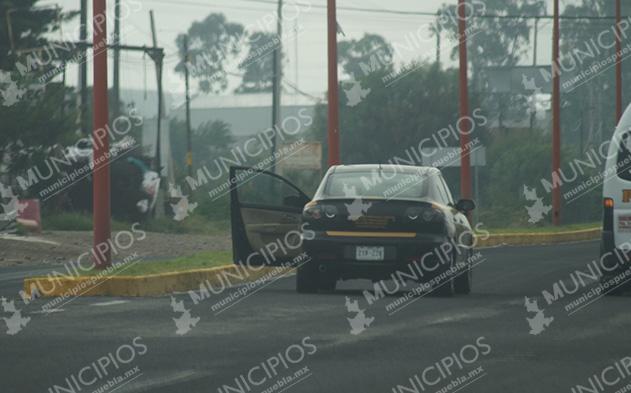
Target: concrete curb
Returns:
[[147, 285], [524, 239], [160, 284]]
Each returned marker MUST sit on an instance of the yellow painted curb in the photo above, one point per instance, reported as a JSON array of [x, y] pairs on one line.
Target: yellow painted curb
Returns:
[[148, 285], [523, 239]]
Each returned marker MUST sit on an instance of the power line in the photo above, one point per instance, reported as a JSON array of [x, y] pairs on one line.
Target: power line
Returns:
[[403, 12]]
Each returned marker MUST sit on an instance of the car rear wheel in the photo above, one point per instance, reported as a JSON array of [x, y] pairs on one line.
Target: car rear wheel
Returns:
[[446, 289], [462, 282], [327, 282], [307, 278]]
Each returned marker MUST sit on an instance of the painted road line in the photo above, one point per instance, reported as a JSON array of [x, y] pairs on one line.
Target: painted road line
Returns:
[[111, 303]]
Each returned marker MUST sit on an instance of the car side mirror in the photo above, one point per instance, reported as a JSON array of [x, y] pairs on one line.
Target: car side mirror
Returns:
[[465, 205], [294, 201]]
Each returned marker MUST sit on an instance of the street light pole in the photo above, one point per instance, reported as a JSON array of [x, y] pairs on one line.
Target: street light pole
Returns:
[[333, 106], [189, 143], [465, 164], [556, 119], [277, 75], [618, 64]]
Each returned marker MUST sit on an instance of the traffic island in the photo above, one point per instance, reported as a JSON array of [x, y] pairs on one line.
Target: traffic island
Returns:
[[149, 284], [179, 275], [538, 238]]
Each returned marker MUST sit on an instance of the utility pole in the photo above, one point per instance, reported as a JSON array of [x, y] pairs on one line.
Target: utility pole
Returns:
[[296, 50], [465, 164], [101, 144], [276, 80], [556, 119], [536, 36], [618, 64], [533, 97], [158, 157], [333, 104], [438, 32], [83, 70], [189, 144], [117, 58]]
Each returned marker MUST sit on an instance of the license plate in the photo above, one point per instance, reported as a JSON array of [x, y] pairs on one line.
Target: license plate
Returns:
[[624, 223], [366, 253]]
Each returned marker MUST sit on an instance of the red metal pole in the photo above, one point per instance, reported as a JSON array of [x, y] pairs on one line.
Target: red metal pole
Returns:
[[465, 164], [556, 119], [618, 64], [101, 143], [333, 121]]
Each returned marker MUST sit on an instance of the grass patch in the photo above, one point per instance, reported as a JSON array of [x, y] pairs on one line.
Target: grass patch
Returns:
[[83, 222], [547, 228], [192, 224], [202, 260]]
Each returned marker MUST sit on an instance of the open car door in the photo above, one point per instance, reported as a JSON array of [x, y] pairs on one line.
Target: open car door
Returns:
[[265, 213]]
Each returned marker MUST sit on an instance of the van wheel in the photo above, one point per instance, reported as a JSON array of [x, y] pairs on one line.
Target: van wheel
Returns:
[[307, 278], [617, 291]]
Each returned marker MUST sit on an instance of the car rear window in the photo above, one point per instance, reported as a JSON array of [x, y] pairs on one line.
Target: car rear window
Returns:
[[377, 184]]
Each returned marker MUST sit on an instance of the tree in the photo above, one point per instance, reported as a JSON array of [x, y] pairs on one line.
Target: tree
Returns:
[[259, 63], [588, 114], [36, 116], [210, 140], [29, 24], [389, 120], [364, 56], [493, 41], [212, 43]]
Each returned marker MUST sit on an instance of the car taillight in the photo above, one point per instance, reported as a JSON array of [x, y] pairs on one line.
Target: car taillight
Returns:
[[608, 214], [425, 214], [413, 213], [330, 211], [315, 211]]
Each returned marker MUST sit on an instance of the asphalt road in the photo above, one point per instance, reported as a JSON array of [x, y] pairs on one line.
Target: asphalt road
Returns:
[[483, 340]]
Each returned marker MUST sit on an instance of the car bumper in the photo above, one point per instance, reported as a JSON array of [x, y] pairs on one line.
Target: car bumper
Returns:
[[334, 252]]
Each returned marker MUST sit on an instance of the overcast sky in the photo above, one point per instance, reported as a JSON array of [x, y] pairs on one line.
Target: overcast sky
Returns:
[[175, 16]]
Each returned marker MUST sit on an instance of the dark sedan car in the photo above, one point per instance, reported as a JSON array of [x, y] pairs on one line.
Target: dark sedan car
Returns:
[[377, 222]]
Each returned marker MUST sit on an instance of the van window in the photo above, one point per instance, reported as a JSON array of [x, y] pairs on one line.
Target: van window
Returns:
[[623, 160]]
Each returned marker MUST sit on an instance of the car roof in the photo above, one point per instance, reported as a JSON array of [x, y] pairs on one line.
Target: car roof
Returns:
[[385, 167]]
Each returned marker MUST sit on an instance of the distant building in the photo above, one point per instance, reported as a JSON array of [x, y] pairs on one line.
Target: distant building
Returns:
[[247, 114]]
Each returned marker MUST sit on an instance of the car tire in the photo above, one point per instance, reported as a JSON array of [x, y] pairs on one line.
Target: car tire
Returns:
[[448, 288], [462, 282], [307, 277], [328, 282]]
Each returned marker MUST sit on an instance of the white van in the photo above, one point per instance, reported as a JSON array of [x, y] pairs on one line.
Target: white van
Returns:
[[615, 246]]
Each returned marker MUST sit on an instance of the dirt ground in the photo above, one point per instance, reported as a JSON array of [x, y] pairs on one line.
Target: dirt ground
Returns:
[[69, 245]]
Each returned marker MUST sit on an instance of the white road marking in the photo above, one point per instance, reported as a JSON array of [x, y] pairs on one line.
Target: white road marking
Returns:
[[110, 303], [52, 310]]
